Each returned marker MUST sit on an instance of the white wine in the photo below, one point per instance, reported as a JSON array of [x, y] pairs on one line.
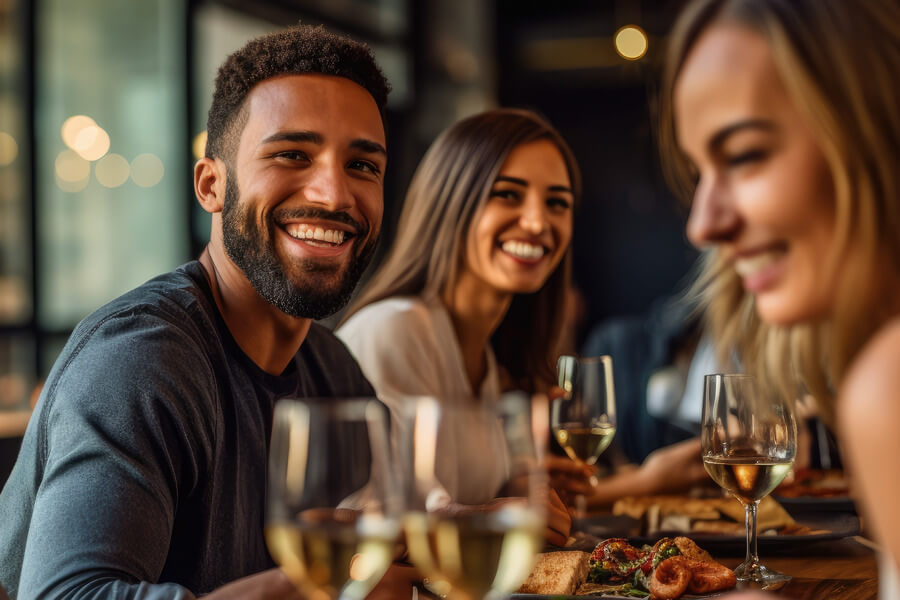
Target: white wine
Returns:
[[476, 554], [584, 443], [749, 478], [327, 555]]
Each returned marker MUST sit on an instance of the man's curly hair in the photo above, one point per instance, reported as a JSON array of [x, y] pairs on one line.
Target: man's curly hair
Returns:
[[296, 50]]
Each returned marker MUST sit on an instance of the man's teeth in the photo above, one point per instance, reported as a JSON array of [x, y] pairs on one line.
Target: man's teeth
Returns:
[[331, 236], [522, 249], [750, 265]]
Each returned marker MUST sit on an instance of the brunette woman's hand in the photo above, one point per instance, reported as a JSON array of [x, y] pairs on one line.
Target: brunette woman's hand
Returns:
[[673, 468], [559, 521], [568, 477]]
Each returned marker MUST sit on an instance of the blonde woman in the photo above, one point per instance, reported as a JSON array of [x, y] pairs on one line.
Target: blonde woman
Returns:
[[781, 122]]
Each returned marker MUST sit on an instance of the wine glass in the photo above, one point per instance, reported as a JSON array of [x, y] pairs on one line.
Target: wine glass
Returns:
[[749, 442], [475, 541], [332, 522], [583, 420]]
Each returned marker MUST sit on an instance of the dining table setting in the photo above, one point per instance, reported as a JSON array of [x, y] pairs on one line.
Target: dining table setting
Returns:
[[460, 493], [824, 550]]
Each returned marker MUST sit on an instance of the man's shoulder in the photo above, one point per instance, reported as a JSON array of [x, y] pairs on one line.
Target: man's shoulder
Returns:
[[166, 321], [174, 297]]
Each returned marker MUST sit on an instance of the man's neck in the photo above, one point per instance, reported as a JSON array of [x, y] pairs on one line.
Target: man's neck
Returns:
[[268, 336]]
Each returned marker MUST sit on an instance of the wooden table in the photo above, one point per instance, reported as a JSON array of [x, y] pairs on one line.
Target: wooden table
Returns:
[[838, 570]]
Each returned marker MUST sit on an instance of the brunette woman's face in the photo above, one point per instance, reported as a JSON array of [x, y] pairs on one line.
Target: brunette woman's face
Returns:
[[522, 232], [764, 195]]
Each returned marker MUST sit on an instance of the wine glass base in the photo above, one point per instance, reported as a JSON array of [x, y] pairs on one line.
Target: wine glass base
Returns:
[[758, 577]]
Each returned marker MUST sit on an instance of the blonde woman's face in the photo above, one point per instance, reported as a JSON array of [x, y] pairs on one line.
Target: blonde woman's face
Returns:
[[524, 229], [764, 193]]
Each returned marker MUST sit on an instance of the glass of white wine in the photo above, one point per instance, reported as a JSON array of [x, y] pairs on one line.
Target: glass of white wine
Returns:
[[749, 441], [332, 520], [475, 542], [583, 420]]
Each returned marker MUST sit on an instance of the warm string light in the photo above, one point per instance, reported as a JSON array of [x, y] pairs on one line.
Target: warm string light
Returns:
[[631, 42]]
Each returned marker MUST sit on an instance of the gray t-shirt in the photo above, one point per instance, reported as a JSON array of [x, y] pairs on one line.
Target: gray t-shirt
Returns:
[[143, 470]]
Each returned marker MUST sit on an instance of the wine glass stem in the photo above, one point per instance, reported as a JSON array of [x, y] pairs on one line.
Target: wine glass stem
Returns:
[[752, 560]]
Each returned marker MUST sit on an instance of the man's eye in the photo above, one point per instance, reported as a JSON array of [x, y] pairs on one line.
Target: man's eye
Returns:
[[292, 155], [364, 165]]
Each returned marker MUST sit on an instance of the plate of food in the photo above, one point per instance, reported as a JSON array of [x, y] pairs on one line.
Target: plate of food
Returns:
[[716, 523], [671, 568], [816, 489]]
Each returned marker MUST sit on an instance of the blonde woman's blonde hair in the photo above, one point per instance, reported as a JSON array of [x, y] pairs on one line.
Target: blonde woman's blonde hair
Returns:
[[840, 63], [449, 188]]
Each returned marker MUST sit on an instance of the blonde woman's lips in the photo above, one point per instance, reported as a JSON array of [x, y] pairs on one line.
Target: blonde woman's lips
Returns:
[[760, 270]]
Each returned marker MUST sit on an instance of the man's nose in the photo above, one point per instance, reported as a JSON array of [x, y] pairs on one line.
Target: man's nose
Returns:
[[713, 217], [327, 187]]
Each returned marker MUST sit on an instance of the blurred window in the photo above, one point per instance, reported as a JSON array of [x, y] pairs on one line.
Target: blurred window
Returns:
[[112, 150]]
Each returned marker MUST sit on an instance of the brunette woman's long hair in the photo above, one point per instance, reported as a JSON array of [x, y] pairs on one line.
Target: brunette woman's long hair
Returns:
[[447, 192]]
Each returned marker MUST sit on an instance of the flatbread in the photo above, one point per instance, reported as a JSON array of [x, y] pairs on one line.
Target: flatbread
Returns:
[[700, 515], [556, 573]]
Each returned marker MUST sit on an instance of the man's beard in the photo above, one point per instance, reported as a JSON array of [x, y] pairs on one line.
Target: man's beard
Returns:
[[315, 295]]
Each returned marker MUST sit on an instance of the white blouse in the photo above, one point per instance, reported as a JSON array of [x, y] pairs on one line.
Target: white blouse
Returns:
[[407, 347]]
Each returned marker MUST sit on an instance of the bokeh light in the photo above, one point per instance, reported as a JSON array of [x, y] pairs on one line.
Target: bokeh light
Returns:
[[9, 149], [631, 42], [112, 170], [73, 126], [71, 168], [147, 170], [199, 145], [92, 143]]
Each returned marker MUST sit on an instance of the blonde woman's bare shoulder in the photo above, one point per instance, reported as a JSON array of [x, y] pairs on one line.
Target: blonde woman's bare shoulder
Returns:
[[871, 386]]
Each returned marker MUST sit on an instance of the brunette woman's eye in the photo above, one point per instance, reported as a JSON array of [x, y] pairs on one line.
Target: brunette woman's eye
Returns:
[[558, 202], [505, 194]]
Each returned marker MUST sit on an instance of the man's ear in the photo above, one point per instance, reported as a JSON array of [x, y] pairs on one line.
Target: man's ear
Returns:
[[209, 184]]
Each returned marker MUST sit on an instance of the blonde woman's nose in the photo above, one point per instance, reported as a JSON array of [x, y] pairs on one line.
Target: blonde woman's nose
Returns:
[[713, 217]]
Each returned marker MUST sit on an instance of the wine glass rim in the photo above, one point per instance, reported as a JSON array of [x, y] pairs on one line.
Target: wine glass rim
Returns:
[[354, 407], [730, 375], [590, 360]]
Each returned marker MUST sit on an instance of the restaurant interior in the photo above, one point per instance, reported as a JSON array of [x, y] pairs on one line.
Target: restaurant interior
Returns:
[[103, 109]]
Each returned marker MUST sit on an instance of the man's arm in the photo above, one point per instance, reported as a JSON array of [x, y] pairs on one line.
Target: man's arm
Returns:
[[120, 439]]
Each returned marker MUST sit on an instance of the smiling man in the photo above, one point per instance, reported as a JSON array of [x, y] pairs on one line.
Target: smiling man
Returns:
[[143, 471]]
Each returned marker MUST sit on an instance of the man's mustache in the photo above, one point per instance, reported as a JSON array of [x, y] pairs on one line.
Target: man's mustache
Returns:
[[359, 229]]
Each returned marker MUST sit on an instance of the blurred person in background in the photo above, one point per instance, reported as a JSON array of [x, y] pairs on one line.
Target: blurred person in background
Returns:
[[780, 121], [143, 471]]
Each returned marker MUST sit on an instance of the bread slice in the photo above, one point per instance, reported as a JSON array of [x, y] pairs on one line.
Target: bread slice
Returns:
[[557, 573], [690, 550]]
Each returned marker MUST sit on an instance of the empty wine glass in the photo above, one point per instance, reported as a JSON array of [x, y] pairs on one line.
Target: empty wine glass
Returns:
[[475, 542], [332, 522], [749, 442], [583, 420]]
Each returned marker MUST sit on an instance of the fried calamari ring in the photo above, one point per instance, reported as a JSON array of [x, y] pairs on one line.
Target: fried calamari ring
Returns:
[[671, 578], [709, 577]]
